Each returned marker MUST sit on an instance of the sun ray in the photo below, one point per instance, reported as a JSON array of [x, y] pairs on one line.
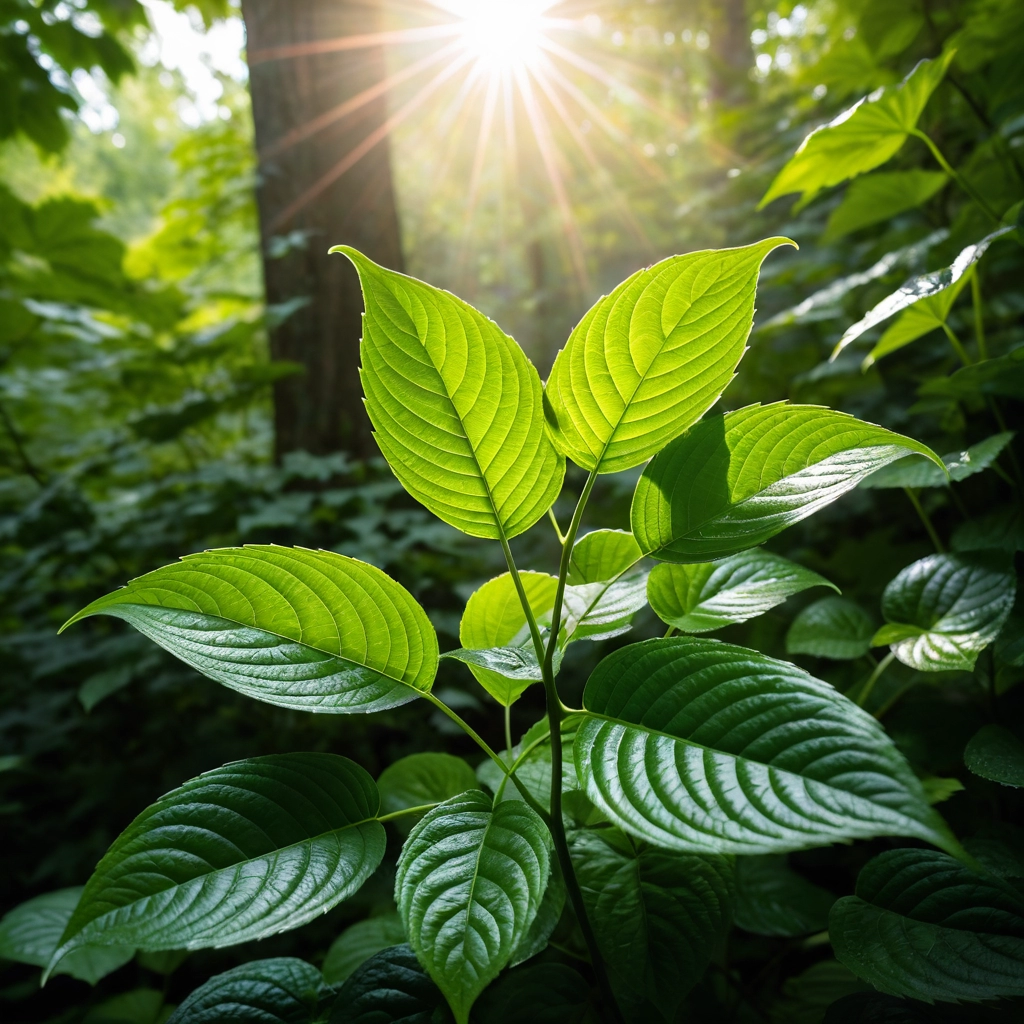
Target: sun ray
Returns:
[[476, 175], [356, 42]]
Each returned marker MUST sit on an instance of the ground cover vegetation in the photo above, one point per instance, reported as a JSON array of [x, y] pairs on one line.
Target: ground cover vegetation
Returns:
[[682, 685]]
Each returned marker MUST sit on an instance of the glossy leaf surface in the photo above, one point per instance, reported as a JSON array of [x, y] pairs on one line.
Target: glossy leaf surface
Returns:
[[701, 597], [735, 480], [915, 473], [470, 881], [357, 943], [602, 555], [281, 990], [649, 359], [309, 630], [922, 925], [245, 851], [878, 197], [427, 778], [772, 899], [831, 628], [456, 406], [944, 610], [548, 913], [597, 611], [703, 747], [390, 988], [656, 915], [995, 753]]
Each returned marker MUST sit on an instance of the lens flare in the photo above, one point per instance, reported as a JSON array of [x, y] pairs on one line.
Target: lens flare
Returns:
[[502, 34]]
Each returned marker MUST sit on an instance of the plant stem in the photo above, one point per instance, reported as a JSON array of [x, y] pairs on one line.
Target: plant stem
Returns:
[[508, 731], [964, 184], [957, 347], [669, 632], [554, 523], [874, 677], [407, 810], [936, 540], [979, 317]]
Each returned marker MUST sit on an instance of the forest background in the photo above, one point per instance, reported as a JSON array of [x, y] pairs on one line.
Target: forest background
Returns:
[[174, 377]]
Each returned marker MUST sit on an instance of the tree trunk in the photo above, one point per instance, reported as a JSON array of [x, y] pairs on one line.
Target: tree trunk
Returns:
[[306, 206], [731, 54]]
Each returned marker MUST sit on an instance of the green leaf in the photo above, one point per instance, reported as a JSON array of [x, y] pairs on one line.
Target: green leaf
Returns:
[[709, 595], [456, 406], [550, 993], [772, 899], [924, 287], [1003, 529], [30, 933], [420, 779], [703, 747], [944, 610], [925, 926], [282, 990], [597, 611], [1003, 375], [602, 555], [390, 988], [242, 852], [649, 359], [656, 915], [879, 197], [494, 618], [995, 753], [831, 628], [807, 996], [357, 943], [548, 915], [735, 480], [139, 1006], [862, 138], [913, 473], [309, 630], [470, 881]]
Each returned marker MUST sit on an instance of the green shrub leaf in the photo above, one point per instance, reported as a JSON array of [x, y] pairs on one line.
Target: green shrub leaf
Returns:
[[704, 747], [597, 611], [925, 926], [548, 993], [831, 628], [1003, 375], [30, 934], [602, 555], [772, 899], [390, 988], [548, 914], [700, 597], [419, 779], [357, 943], [281, 990], [244, 851], [995, 753], [456, 406], [649, 359], [944, 610], [309, 630], [880, 196], [862, 138], [735, 480], [470, 881], [656, 915], [913, 473]]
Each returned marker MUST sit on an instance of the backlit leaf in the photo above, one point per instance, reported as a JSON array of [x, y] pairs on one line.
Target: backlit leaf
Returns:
[[944, 610], [309, 630], [244, 851], [861, 138], [831, 628], [701, 597], [649, 359], [772, 899], [735, 480], [470, 881], [602, 555], [390, 988], [357, 943], [597, 611], [915, 473], [456, 406], [703, 747], [925, 926], [878, 197], [995, 753]]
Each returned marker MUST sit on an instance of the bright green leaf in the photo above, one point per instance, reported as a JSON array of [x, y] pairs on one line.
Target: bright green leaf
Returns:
[[517, 667], [282, 990], [302, 629], [831, 628], [648, 360], [879, 197], [925, 926], [703, 747], [357, 943], [862, 138], [944, 610], [995, 753], [494, 618], [772, 899], [30, 933], [656, 915], [470, 881], [390, 988], [597, 611], [735, 480], [419, 779], [701, 597], [456, 406], [913, 473], [244, 851], [602, 555]]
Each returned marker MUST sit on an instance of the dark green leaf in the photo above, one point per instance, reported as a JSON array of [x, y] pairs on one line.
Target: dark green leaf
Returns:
[[805, 997], [358, 943], [915, 473], [538, 994], [548, 914], [420, 779], [995, 753], [390, 988], [772, 899], [831, 628], [1003, 375], [880, 196]]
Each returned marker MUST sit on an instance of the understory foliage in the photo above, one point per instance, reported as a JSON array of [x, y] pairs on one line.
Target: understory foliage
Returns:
[[733, 731]]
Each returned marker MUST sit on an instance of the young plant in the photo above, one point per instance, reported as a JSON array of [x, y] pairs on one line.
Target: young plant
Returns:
[[629, 810]]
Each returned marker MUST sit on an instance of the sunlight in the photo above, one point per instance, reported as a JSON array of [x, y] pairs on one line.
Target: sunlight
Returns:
[[501, 34]]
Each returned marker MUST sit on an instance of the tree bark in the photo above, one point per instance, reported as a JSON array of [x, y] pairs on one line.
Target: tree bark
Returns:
[[731, 54], [305, 207]]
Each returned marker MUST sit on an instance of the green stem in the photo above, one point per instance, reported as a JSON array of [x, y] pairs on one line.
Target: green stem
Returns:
[[964, 184], [979, 315], [531, 619], [997, 414], [669, 632], [423, 808], [554, 523], [508, 731], [936, 540], [957, 347], [862, 699]]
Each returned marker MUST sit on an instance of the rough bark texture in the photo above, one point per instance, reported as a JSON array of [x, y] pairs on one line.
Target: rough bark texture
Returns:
[[304, 211]]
